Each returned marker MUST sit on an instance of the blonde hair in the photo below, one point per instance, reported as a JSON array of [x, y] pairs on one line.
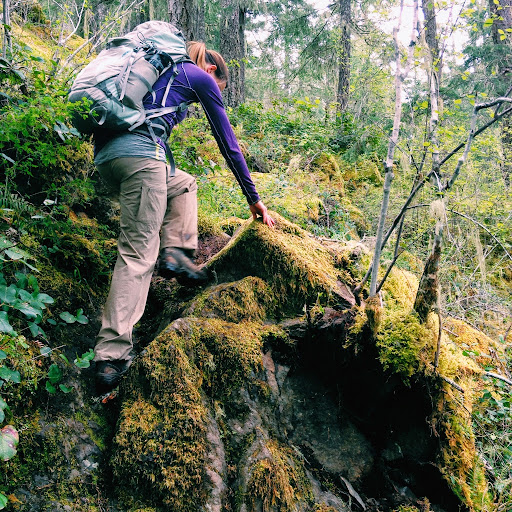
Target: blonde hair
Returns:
[[202, 57]]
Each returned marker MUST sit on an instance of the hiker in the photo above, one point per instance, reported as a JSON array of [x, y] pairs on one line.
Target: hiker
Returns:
[[154, 197]]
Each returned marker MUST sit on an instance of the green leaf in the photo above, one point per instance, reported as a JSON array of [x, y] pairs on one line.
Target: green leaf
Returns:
[[488, 22], [45, 351], [51, 321], [35, 330], [8, 295], [67, 317], [2, 415], [8, 442], [82, 319], [3, 355], [27, 310], [5, 326], [3, 501], [80, 363], [84, 361], [10, 375], [50, 388], [22, 280], [54, 374], [32, 281], [44, 298], [64, 358], [89, 355], [65, 389], [13, 254]]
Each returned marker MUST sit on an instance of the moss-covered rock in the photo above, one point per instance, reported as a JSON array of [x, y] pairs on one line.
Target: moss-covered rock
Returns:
[[297, 267]]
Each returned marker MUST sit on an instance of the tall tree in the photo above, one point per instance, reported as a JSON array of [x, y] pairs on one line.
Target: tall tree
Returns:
[[345, 50], [232, 48], [188, 16], [432, 38], [6, 43], [501, 15]]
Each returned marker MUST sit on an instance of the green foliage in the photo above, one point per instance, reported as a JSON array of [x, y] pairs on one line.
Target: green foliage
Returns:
[[400, 341], [491, 422], [41, 156]]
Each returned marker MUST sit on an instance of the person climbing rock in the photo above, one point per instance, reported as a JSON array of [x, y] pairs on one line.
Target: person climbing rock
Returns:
[[158, 203]]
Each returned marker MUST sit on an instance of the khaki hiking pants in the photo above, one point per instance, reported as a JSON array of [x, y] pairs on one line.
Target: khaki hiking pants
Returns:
[[151, 201]]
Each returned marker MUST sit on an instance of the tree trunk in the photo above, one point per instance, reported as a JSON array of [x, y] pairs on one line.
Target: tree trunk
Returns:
[[198, 28], [502, 16], [430, 24], [345, 48], [181, 14], [232, 48], [6, 43], [428, 289]]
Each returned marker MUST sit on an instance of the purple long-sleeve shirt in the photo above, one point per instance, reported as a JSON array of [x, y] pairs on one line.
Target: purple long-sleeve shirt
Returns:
[[193, 85]]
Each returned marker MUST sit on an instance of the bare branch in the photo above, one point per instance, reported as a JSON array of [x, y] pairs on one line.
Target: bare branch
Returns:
[[451, 382], [499, 377], [478, 132], [467, 217], [105, 30], [388, 166]]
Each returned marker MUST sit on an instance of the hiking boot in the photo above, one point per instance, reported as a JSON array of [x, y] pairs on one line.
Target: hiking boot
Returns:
[[179, 263], [109, 374]]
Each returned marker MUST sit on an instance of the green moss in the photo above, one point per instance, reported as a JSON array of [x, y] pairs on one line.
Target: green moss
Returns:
[[160, 446], [46, 449], [230, 225], [399, 289], [21, 357], [278, 481], [322, 507], [207, 226], [297, 267], [248, 299], [400, 341]]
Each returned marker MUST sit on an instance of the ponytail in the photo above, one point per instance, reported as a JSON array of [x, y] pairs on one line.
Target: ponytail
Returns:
[[203, 58]]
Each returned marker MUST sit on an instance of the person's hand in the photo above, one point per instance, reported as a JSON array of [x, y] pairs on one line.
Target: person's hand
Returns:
[[259, 209]]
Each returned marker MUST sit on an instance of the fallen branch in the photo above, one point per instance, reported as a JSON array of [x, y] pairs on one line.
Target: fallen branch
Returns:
[[451, 332], [451, 382], [499, 377]]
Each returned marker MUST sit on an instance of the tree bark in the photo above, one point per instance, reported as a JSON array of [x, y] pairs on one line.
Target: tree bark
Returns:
[[181, 14], [345, 50], [6, 43], [501, 14], [232, 48], [428, 289], [198, 27], [430, 27]]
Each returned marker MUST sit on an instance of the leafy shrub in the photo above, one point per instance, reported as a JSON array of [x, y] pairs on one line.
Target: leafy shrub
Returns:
[[41, 156]]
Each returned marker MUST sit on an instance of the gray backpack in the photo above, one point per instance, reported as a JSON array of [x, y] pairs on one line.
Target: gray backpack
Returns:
[[115, 83]]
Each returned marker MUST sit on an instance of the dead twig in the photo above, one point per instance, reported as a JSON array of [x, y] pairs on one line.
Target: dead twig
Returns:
[[451, 382], [499, 377]]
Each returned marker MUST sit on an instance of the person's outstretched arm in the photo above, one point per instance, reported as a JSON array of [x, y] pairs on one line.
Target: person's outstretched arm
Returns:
[[209, 96]]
